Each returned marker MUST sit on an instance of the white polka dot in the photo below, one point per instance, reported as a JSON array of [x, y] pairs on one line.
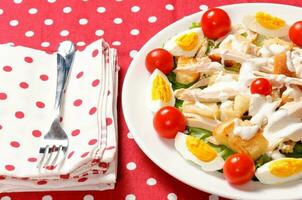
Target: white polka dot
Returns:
[[81, 43], [213, 197], [45, 44], [101, 9], [67, 9], [132, 53], [131, 166], [88, 197], [29, 34], [18, 1], [130, 197], [116, 43], [47, 197], [151, 181], [152, 19], [83, 21], [6, 198], [203, 7], [129, 135], [1, 11], [134, 32], [64, 33], [118, 0], [135, 8], [48, 22], [14, 22], [99, 32], [51, 1], [172, 196], [33, 11], [169, 7], [118, 20]]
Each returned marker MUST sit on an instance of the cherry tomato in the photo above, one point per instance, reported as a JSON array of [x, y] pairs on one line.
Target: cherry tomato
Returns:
[[261, 86], [215, 23], [159, 59], [168, 121], [239, 169], [295, 33]]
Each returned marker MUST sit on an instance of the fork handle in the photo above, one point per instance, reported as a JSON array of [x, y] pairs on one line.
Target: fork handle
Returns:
[[63, 67]]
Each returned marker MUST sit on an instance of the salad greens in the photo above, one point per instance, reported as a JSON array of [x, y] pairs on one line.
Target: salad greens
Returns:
[[176, 85], [297, 153], [178, 103], [195, 25], [262, 160]]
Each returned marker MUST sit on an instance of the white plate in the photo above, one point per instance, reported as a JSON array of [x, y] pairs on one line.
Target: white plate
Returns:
[[161, 151]]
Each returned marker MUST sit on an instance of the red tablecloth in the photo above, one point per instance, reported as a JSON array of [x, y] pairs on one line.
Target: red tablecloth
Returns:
[[126, 25]]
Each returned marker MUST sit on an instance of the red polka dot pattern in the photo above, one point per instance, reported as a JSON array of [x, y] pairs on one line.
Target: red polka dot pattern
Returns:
[[32, 159], [9, 167], [40, 104], [75, 132], [44, 77], [92, 110], [15, 144], [43, 182], [19, 114], [7, 68], [92, 142], [28, 59], [77, 102], [23, 85], [80, 74], [95, 83], [36, 133], [3, 96]]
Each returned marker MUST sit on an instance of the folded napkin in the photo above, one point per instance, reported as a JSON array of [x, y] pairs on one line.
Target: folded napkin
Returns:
[[27, 96]]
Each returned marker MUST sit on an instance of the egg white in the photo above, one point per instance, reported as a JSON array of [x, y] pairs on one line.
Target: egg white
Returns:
[[181, 147], [175, 50], [155, 105], [251, 23], [264, 175]]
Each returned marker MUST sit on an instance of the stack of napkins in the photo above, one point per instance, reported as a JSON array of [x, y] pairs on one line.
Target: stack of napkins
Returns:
[[27, 96]]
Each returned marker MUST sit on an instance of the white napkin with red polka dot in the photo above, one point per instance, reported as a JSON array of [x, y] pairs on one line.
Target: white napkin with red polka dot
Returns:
[[27, 95]]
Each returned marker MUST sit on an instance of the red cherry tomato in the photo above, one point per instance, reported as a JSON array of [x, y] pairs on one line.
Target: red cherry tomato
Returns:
[[215, 23], [295, 33], [159, 59], [168, 121], [261, 86], [239, 169]]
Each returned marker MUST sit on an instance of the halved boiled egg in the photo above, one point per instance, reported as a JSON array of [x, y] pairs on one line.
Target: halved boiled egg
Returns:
[[185, 43], [280, 171], [199, 152], [266, 24], [160, 92]]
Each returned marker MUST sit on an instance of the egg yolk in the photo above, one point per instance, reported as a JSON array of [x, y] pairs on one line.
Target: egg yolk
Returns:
[[200, 149], [187, 41], [268, 21], [286, 167], [161, 90]]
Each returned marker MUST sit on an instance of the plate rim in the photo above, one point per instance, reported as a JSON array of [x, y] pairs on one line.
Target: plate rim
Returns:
[[130, 126]]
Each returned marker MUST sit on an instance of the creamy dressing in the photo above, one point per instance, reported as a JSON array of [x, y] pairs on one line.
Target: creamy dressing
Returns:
[[271, 50], [292, 91], [275, 155], [280, 124], [245, 132], [261, 108]]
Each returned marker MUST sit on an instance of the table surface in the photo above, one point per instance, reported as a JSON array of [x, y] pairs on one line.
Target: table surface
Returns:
[[125, 25]]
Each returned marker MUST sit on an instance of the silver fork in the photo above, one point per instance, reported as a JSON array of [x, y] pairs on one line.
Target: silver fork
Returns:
[[55, 142]]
